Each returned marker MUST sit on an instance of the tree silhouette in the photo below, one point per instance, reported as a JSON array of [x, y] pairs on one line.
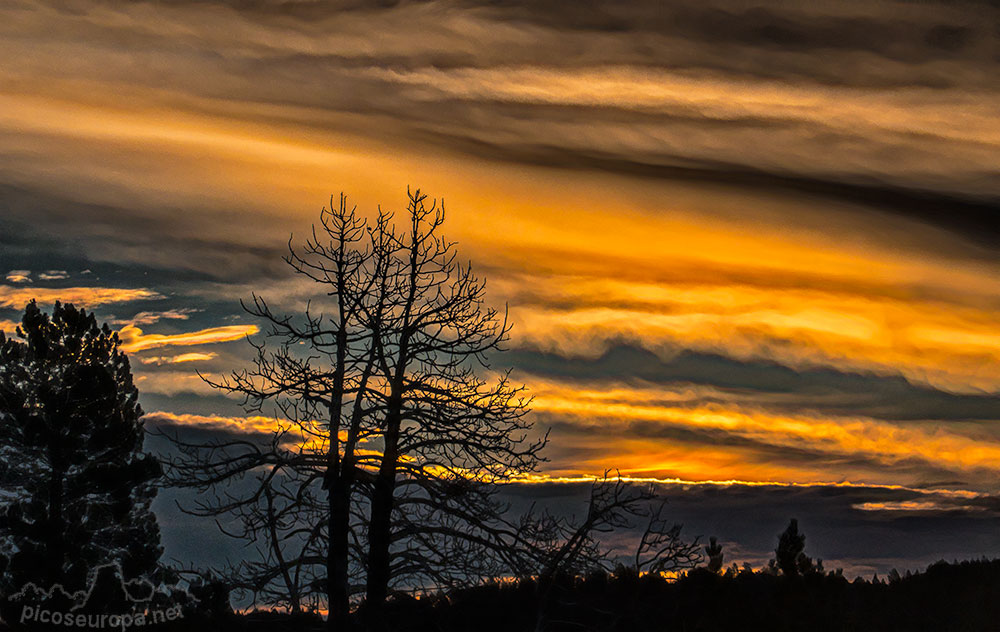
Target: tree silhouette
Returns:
[[312, 371], [715, 555], [384, 470], [790, 555], [77, 485], [548, 547], [447, 432]]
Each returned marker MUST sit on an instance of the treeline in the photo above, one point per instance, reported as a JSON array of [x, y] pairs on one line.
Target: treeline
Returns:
[[946, 597], [959, 596]]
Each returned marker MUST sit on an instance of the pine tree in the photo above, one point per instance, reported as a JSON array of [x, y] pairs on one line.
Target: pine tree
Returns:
[[790, 555], [715, 555], [75, 486]]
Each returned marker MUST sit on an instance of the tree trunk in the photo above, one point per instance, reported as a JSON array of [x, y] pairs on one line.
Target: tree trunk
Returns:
[[380, 528], [337, 555], [55, 550], [337, 596]]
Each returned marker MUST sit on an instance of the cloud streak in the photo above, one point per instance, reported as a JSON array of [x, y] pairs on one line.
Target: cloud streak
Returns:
[[179, 359], [17, 298], [662, 432], [19, 276], [134, 340]]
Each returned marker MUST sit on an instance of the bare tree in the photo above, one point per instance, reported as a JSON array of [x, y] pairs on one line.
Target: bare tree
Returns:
[[661, 548], [549, 547], [287, 529], [314, 377], [447, 430], [394, 437], [394, 431]]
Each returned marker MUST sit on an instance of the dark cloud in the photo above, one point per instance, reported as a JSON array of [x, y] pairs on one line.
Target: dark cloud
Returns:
[[749, 519], [975, 218], [166, 244], [824, 391], [892, 31], [802, 28], [942, 50]]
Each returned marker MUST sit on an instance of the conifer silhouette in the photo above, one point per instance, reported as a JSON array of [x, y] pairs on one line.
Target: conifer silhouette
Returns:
[[77, 486], [790, 555], [715, 555]]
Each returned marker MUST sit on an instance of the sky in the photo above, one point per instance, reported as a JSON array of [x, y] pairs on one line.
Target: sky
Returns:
[[749, 249]]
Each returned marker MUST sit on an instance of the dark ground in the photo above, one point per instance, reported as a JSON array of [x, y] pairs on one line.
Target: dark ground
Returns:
[[963, 596]]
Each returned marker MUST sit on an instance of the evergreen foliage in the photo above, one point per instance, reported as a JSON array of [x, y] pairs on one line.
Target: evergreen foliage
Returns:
[[77, 487]]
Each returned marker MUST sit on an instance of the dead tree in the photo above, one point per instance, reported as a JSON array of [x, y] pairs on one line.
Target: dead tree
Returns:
[[550, 547], [314, 378], [395, 432], [287, 529], [445, 428], [661, 549]]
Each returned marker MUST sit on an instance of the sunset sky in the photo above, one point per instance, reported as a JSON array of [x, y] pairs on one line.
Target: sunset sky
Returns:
[[750, 243]]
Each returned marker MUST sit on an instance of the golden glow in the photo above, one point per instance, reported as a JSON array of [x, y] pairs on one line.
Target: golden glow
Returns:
[[584, 259], [32, 114], [610, 412], [177, 359], [18, 297], [581, 267], [237, 424], [913, 505], [948, 493], [950, 346], [133, 339], [305, 435]]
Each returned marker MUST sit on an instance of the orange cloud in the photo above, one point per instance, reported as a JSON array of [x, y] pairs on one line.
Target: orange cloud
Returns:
[[240, 424], [952, 346], [609, 411], [914, 505], [588, 258], [19, 276], [17, 298], [941, 492], [307, 436], [133, 339], [177, 359]]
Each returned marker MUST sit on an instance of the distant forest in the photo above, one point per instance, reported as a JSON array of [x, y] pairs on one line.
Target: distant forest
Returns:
[[373, 505]]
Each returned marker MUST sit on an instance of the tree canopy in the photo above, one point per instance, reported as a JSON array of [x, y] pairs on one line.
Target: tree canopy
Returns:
[[77, 485]]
